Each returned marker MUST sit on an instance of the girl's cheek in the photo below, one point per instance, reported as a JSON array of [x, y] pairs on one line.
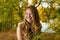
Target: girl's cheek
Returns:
[[32, 16], [25, 17]]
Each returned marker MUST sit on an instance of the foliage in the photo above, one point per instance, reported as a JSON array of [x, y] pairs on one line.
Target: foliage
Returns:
[[47, 36], [49, 13], [10, 14]]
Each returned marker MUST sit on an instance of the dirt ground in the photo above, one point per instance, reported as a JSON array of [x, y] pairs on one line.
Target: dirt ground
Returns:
[[8, 36], [12, 36]]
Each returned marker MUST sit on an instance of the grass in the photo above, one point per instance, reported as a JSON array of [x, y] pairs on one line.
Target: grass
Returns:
[[50, 36], [44, 36]]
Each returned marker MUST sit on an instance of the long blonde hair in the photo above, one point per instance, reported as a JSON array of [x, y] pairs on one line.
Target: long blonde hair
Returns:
[[35, 26]]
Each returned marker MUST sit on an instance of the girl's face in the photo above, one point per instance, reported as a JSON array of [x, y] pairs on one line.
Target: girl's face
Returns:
[[29, 15]]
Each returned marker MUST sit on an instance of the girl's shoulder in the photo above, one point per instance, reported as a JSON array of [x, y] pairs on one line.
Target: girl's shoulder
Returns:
[[20, 24]]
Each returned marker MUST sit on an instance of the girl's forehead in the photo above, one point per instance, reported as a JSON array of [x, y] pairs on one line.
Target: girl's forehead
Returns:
[[28, 10]]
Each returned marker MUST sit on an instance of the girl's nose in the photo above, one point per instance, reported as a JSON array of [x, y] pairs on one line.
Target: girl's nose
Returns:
[[28, 15]]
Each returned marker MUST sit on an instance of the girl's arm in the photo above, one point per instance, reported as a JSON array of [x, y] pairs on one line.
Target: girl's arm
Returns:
[[19, 32]]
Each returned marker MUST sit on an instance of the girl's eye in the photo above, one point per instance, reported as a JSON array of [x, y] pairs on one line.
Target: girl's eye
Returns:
[[31, 14], [26, 14]]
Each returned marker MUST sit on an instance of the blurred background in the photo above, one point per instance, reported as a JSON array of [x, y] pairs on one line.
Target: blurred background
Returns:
[[12, 11]]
